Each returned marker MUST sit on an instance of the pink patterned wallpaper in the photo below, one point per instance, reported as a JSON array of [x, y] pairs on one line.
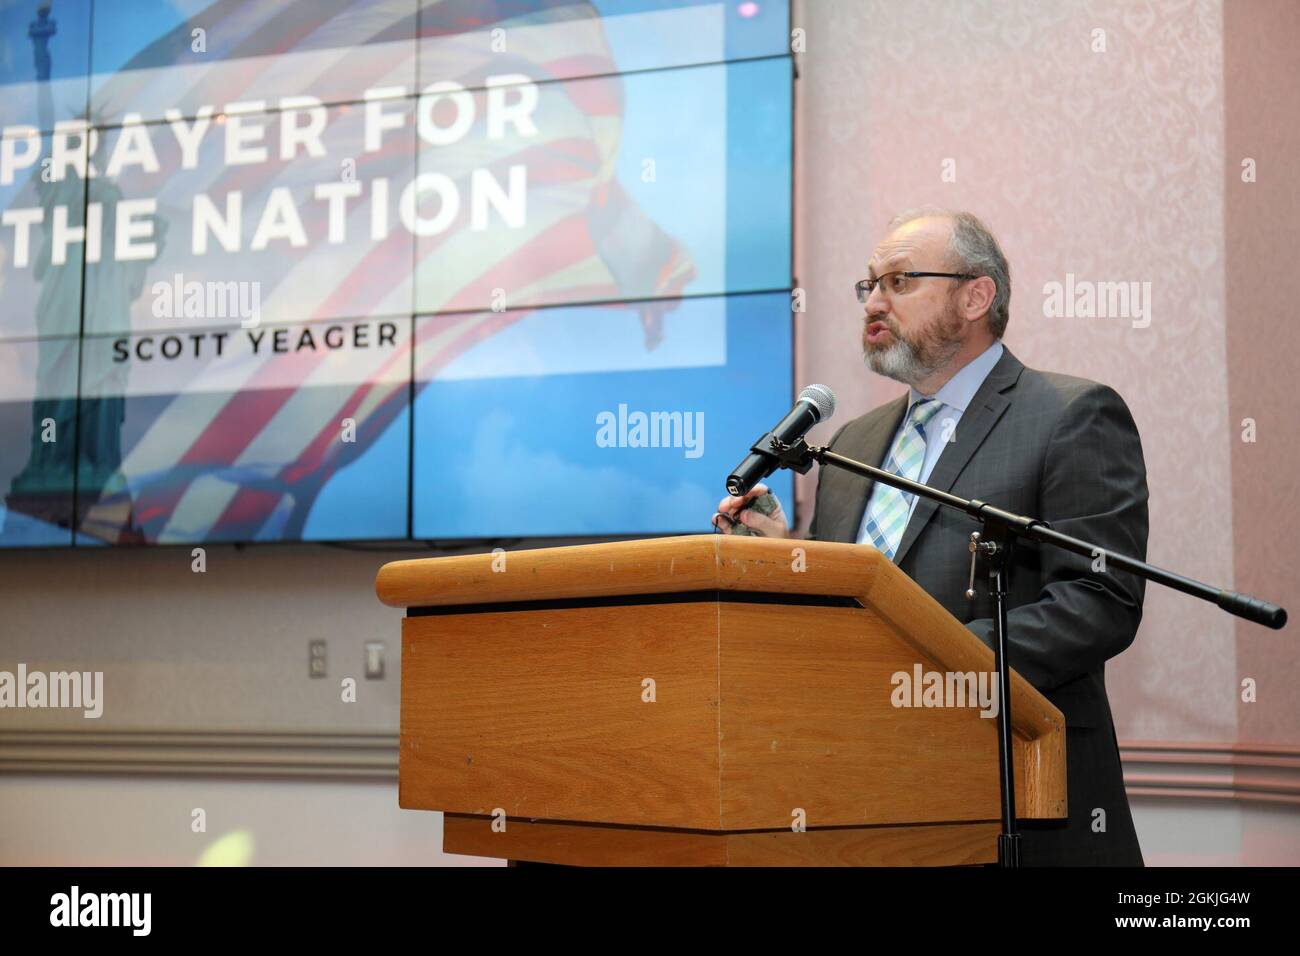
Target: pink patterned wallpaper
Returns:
[[1262, 212], [1090, 136]]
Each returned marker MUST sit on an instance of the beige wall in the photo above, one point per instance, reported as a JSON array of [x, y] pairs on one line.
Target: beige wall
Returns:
[[222, 650]]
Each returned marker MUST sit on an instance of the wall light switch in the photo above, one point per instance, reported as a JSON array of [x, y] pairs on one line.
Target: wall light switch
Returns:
[[374, 660]]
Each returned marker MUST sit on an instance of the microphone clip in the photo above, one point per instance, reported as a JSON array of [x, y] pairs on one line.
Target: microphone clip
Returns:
[[797, 456]]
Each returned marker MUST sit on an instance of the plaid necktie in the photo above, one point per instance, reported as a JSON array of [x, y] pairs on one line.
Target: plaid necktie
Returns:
[[888, 510]]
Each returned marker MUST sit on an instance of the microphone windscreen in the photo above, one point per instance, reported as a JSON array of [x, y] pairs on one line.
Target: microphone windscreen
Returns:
[[821, 398]]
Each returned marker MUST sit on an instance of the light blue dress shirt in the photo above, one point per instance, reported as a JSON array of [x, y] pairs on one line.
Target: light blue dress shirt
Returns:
[[955, 396]]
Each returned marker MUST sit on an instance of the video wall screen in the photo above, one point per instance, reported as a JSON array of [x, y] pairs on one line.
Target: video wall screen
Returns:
[[380, 269]]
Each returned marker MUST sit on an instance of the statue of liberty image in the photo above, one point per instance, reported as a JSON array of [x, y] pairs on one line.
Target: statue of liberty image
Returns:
[[75, 453]]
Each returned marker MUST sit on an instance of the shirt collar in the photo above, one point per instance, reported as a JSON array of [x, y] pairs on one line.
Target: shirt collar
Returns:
[[958, 391]]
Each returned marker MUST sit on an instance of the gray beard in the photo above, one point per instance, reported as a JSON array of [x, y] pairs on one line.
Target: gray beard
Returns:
[[901, 362]]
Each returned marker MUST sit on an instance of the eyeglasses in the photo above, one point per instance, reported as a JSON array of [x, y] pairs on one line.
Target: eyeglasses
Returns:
[[897, 283]]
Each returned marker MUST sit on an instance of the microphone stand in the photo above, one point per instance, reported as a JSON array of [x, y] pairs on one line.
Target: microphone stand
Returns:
[[1001, 531]]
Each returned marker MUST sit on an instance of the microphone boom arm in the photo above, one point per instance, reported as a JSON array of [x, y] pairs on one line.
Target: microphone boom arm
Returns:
[[800, 455]]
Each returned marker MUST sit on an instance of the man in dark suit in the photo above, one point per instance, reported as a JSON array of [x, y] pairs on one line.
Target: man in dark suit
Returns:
[[978, 423]]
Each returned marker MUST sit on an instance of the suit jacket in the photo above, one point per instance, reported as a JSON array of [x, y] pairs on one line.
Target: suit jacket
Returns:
[[1065, 450]]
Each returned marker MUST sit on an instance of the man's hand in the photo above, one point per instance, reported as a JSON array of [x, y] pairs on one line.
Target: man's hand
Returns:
[[733, 509]]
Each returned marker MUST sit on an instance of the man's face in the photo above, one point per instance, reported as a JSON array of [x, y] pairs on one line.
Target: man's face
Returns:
[[909, 336]]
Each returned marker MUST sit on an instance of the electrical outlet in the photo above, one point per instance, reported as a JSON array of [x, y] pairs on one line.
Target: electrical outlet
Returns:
[[316, 659]]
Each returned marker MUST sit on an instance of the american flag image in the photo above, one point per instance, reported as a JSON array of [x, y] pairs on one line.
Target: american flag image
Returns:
[[242, 447]]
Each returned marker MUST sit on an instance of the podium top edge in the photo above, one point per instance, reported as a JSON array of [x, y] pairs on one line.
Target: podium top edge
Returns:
[[700, 562]]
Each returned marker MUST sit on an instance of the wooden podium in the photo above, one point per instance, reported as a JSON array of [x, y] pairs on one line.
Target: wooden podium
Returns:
[[701, 700]]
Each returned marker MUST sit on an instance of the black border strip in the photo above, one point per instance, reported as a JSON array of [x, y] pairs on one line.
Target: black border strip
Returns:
[[625, 600]]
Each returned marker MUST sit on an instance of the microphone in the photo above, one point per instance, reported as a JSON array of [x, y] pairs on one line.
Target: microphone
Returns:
[[816, 404]]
